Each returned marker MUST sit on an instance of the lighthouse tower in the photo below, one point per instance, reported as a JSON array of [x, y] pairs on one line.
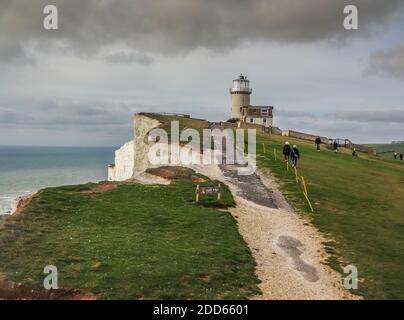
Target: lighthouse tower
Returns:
[[240, 96]]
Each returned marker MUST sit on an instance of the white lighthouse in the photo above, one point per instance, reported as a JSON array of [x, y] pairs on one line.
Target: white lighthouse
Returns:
[[240, 96], [241, 108]]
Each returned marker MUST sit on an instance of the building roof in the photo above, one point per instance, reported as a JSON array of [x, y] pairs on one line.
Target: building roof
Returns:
[[258, 111]]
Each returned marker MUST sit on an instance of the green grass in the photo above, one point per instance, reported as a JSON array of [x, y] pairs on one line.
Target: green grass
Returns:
[[184, 123], [359, 205], [136, 241], [387, 150]]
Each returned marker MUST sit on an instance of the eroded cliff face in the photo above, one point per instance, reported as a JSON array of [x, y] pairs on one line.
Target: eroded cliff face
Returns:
[[123, 168], [147, 151], [132, 158], [142, 126]]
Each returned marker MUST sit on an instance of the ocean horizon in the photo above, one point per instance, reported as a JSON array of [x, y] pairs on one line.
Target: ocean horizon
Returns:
[[27, 169]]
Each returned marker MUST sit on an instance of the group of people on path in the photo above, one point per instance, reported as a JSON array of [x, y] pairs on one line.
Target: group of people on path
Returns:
[[395, 154], [291, 154], [335, 146]]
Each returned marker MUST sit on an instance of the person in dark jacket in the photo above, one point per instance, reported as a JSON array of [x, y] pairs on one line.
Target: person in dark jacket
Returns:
[[401, 156], [286, 151], [395, 154], [336, 145], [317, 142], [294, 156]]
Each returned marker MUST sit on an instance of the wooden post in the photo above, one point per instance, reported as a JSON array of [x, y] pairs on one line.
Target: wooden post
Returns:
[[304, 186], [263, 147], [297, 176], [287, 165], [219, 194], [306, 195], [275, 154], [308, 201], [197, 194]]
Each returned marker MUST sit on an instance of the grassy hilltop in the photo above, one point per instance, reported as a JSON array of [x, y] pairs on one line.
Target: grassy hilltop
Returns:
[[150, 241], [387, 150], [358, 203], [131, 242]]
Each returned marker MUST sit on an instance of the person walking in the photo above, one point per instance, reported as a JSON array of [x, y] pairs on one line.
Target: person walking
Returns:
[[395, 154], [354, 153], [401, 156], [336, 145], [317, 142], [286, 151], [294, 156]]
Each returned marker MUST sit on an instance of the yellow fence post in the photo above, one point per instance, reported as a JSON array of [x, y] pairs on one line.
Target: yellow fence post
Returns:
[[297, 176], [275, 153], [306, 195], [304, 186], [308, 200], [263, 147], [197, 193], [287, 165]]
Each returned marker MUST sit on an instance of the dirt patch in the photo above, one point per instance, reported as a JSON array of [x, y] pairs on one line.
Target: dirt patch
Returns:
[[10, 290], [101, 187], [291, 246], [176, 173], [147, 178], [205, 278]]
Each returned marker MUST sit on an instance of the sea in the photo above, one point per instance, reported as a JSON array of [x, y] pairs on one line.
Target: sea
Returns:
[[25, 170]]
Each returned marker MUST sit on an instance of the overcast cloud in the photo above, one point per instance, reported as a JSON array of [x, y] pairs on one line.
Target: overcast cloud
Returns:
[[390, 62], [385, 116], [172, 26], [112, 58]]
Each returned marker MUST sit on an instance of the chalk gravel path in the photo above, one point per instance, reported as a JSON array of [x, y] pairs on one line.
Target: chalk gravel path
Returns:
[[287, 248]]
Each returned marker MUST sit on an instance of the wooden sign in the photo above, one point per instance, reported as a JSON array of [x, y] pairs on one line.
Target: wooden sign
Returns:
[[199, 191], [209, 190]]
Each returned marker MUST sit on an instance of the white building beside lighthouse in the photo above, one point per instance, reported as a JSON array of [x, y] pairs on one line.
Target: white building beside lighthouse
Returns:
[[241, 108]]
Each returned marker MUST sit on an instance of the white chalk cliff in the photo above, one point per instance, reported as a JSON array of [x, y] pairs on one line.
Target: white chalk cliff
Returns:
[[132, 158]]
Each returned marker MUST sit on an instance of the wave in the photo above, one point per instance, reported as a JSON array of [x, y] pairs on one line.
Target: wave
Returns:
[[8, 201]]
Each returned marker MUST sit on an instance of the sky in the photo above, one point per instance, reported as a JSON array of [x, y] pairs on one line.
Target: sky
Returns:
[[81, 84]]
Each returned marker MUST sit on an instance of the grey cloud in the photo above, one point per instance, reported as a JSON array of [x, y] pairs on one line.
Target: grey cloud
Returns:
[[51, 114], [294, 114], [384, 116], [389, 62], [357, 131], [173, 26], [13, 51], [126, 58]]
